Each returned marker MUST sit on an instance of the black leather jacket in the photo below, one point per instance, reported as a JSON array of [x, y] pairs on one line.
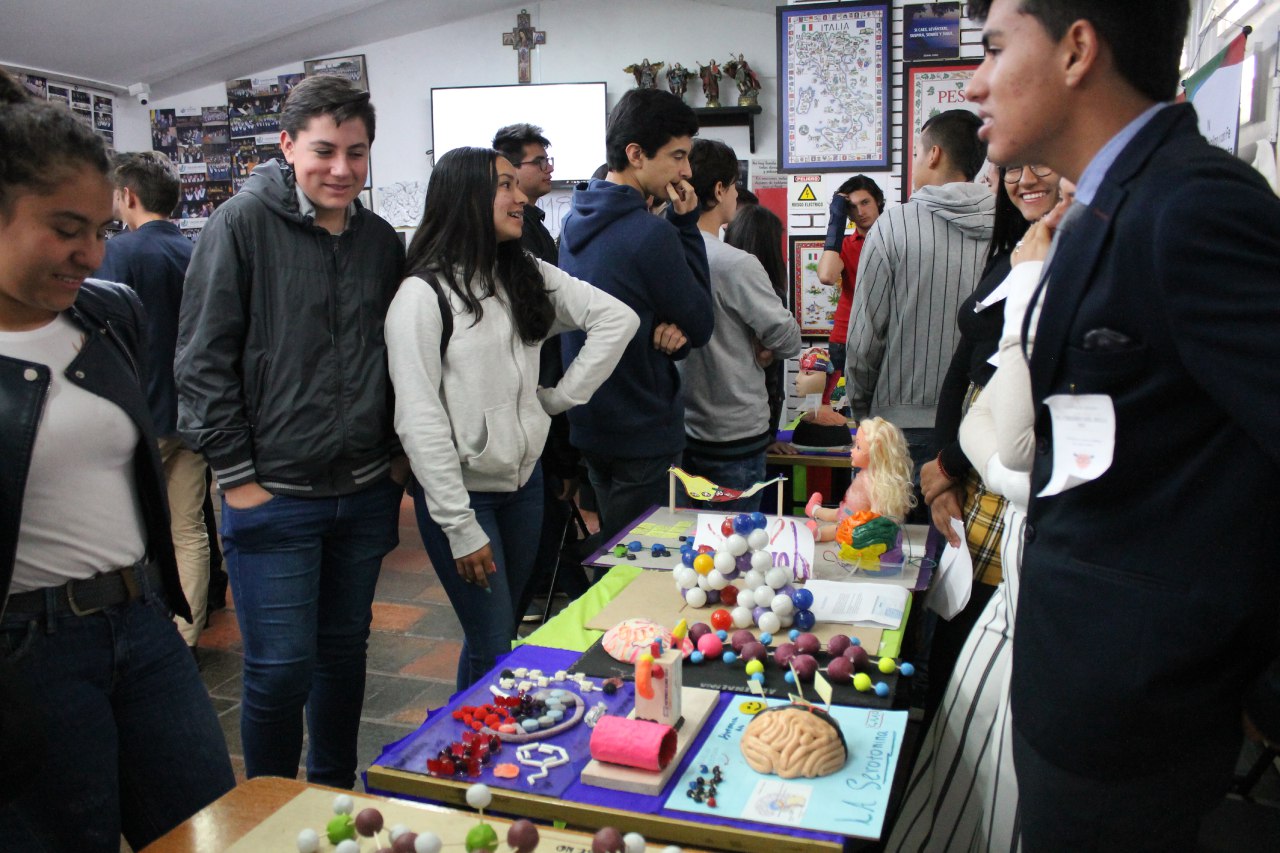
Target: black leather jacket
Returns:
[[107, 365]]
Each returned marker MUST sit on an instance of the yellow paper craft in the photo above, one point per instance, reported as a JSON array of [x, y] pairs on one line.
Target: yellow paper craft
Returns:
[[702, 489]]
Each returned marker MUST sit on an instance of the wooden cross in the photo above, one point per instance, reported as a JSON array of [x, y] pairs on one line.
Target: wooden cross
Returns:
[[521, 38]]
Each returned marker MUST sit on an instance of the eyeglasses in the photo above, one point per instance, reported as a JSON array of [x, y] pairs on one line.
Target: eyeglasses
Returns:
[[544, 164], [1014, 174]]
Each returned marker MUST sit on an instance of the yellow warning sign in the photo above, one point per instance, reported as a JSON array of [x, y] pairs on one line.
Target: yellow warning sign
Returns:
[[806, 194]]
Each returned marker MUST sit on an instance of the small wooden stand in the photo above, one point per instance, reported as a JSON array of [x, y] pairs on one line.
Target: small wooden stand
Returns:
[[697, 704], [664, 705]]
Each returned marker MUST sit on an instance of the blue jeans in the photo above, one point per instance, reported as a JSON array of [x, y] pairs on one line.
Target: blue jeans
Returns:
[[625, 488], [303, 572], [923, 448], [133, 744], [731, 474], [513, 523]]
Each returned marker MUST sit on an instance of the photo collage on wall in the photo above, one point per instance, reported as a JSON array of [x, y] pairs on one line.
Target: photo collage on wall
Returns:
[[93, 109], [253, 113]]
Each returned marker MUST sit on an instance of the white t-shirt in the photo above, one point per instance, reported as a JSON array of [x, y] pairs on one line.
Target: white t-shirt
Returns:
[[80, 512]]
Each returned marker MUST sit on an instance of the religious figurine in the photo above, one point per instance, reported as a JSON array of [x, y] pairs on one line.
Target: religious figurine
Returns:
[[646, 73], [881, 486], [678, 79], [710, 75], [522, 38], [745, 77]]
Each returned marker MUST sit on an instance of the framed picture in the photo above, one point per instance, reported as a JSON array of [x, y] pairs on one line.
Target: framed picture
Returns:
[[812, 302], [833, 87], [350, 67], [930, 88], [931, 31]]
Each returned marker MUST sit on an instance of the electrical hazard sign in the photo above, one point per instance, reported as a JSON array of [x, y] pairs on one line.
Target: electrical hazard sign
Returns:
[[807, 194]]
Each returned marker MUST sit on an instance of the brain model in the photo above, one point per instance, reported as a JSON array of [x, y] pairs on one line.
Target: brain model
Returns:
[[793, 741], [866, 538]]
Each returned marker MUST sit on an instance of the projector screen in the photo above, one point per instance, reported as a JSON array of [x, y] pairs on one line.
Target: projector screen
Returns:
[[571, 115]]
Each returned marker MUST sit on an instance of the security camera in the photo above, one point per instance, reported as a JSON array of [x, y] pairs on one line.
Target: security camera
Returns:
[[142, 92]]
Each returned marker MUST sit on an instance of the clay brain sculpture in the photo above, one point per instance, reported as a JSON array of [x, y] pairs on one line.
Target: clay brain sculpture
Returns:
[[794, 741]]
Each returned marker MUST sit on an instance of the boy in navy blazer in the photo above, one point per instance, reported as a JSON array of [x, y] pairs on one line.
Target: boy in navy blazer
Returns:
[[1146, 630]]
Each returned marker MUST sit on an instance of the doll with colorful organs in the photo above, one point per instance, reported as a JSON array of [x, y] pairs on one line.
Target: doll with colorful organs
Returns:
[[867, 522]]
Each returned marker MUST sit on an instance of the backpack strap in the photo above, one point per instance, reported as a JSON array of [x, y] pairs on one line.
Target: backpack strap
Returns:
[[446, 313]]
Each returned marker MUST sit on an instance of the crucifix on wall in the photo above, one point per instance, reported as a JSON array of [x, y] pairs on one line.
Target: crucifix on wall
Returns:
[[522, 38]]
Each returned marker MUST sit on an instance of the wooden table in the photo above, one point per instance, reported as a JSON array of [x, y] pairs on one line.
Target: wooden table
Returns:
[[240, 811], [688, 833], [231, 817], [796, 493]]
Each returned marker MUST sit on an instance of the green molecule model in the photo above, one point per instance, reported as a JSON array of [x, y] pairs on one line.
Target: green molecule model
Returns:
[[340, 828], [481, 839]]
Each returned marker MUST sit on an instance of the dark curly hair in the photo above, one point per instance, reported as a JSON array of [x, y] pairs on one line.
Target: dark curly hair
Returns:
[[457, 233], [40, 143]]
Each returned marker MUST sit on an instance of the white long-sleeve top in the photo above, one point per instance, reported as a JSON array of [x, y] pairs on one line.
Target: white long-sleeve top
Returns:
[[478, 420], [998, 431]]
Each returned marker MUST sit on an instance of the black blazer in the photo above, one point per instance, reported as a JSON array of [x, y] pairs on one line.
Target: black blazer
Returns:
[[1149, 612]]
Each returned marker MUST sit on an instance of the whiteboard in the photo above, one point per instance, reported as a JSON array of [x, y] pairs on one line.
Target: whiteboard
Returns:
[[571, 115]]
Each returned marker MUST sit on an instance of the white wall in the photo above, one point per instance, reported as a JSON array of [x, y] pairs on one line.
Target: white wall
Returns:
[[586, 41]]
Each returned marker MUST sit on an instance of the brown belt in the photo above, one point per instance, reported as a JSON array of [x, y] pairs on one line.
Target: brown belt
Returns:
[[91, 595]]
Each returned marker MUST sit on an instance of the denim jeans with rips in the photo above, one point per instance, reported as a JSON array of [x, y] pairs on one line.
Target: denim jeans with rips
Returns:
[[303, 573]]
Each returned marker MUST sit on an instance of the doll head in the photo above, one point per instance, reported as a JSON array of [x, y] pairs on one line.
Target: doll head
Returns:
[[888, 464], [815, 366]]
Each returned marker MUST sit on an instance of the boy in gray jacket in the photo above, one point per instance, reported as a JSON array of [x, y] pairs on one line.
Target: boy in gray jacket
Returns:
[[919, 262], [726, 403]]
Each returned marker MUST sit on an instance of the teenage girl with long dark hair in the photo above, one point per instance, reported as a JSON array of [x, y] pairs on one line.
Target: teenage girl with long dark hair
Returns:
[[463, 336]]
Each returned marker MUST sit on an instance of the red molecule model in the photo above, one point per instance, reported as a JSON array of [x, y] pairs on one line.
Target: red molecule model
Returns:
[[858, 656], [840, 670], [721, 620], [784, 653], [805, 666]]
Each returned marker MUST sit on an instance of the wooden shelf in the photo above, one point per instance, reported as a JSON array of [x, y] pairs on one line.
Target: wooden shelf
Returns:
[[731, 117]]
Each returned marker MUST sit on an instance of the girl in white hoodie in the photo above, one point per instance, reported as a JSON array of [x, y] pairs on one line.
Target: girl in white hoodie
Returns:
[[468, 410]]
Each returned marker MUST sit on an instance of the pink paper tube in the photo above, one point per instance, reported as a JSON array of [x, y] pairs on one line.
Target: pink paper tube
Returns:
[[633, 743]]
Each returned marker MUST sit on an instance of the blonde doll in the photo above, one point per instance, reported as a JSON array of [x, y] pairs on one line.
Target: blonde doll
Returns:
[[882, 484]]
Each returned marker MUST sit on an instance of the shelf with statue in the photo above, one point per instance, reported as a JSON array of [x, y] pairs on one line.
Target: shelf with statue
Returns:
[[867, 523], [678, 79], [645, 72], [748, 82], [710, 76]]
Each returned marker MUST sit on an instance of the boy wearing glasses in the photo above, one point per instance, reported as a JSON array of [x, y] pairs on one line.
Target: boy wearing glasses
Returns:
[[525, 146]]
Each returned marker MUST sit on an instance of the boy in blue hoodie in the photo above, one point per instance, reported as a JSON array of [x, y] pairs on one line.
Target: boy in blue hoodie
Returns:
[[632, 430]]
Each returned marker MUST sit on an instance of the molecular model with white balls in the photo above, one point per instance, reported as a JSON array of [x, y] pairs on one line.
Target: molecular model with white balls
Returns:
[[741, 576]]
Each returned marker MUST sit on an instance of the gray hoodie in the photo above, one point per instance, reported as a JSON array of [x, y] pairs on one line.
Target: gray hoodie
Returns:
[[477, 420], [919, 262], [724, 396]]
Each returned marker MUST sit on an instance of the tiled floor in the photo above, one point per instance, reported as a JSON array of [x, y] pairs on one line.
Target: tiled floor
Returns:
[[413, 652]]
